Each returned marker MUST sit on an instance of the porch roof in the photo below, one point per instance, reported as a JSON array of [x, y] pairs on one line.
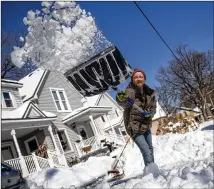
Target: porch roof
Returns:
[[86, 111], [22, 113]]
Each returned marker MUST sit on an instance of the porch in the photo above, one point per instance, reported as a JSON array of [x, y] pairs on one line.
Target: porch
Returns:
[[90, 133], [20, 147]]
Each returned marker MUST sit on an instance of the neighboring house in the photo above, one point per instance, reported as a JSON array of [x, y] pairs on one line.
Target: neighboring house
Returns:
[[44, 108], [24, 127], [158, 118], [77, 123]]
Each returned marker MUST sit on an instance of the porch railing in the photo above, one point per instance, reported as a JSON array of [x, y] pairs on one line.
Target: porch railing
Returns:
[[33, 163], [30, 163], [57, 159], [95, 142], [14, 163], [43, 163], [117, 139], [92, 141]]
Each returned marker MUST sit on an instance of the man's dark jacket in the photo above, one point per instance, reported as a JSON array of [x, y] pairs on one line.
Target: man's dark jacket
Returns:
[[144, 97]]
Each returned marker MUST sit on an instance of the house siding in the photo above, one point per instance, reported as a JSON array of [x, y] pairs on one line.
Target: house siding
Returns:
[[15, 97], [45, 99]]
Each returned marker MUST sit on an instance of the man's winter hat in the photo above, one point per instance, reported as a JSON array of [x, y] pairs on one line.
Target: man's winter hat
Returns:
[[138, 70]]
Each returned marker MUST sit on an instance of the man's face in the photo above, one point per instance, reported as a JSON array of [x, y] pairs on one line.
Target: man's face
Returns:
[[138, 79]]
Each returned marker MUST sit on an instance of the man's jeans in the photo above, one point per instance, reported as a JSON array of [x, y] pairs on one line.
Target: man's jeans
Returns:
[[144, 142]]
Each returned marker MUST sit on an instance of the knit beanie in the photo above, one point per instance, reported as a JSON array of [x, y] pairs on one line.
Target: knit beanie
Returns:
[[138, 70]]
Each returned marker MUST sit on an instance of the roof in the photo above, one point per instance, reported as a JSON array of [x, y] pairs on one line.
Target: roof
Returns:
[[31, 83], [23, 111], [114, 122], [93, 100], [11, 83], [159, 112], [82, 110]]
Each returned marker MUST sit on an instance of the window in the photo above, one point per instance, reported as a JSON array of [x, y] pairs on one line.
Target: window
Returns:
[[60, 99], [103, 119], [63, 140], [8, 151], [7, 100]]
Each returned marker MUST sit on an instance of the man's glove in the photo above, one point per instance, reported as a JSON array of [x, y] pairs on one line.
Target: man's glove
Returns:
[[147, 115], [122, 96]]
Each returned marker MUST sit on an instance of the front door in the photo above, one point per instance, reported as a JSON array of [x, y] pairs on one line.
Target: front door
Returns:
[[82, 132], [31, 145]]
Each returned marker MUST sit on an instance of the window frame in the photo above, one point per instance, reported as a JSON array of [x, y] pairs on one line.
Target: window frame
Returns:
[[67, 137], [60, 100], [11, 98]]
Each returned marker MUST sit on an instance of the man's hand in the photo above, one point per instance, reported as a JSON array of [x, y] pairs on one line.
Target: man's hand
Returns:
[[122, 96]]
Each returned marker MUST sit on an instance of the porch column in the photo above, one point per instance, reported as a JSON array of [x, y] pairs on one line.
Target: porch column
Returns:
[[23, 165], [106, 116], [53, 139], [94, 128], [13, 133]]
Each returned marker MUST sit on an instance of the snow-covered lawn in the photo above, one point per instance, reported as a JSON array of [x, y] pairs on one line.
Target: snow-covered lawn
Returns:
[[184, 160]]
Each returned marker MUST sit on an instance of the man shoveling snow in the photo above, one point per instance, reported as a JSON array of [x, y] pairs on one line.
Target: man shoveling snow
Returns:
[[138, 124]]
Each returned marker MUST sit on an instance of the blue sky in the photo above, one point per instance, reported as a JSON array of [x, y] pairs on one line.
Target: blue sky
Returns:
[[122, 24]]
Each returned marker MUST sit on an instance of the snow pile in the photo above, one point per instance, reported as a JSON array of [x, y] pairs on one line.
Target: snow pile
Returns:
[[77, 175], [184, 160], [170, 149], [60, 36]]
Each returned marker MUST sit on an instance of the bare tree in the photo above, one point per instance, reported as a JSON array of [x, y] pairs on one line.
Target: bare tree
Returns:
[[8, 69], [188, 79]]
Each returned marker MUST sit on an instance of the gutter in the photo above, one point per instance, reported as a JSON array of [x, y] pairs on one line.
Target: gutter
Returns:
[[21, 120], [82, 112]]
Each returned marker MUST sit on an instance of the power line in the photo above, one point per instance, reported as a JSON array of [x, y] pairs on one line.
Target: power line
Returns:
[[154, 29]]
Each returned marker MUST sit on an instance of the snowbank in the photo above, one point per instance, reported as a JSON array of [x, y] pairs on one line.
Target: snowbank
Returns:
[[185, 161], [77, 175]]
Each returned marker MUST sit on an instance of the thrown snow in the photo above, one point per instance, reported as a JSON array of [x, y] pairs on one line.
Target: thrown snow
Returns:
[[60, 37], [184, 160]]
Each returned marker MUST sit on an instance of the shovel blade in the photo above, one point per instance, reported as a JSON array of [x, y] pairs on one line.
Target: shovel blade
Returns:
[[100, 73]]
